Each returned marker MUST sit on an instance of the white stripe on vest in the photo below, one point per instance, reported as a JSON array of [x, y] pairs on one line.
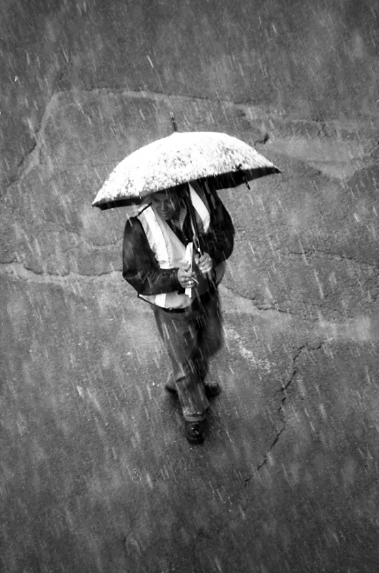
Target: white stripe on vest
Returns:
[[201, 208]]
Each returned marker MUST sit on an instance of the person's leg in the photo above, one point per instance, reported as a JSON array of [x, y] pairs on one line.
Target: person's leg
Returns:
[[179, 333], [210, 334]]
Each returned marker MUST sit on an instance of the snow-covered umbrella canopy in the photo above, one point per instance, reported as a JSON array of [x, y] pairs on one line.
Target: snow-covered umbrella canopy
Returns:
[[181, 158]]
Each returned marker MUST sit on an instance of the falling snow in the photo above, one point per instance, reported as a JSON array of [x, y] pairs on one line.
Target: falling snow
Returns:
[[95, 472]]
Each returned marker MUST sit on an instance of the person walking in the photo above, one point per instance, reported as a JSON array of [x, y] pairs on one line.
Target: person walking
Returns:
[[174, 254]]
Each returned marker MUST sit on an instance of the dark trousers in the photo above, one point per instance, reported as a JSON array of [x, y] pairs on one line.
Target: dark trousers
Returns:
[[191, 338]]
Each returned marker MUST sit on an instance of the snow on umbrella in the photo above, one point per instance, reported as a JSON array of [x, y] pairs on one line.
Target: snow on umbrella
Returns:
[[182, 158]]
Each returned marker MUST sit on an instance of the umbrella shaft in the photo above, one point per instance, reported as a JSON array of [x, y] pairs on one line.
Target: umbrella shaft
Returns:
[[191, 212]]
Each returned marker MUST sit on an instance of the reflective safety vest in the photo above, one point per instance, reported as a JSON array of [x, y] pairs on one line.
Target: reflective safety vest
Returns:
[[170, 251]]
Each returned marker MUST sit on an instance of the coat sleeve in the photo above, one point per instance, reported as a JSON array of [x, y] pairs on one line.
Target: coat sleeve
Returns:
[[140, 267], [219, 241]]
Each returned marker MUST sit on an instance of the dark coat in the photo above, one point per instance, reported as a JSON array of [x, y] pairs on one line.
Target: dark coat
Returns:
[[140, 267]]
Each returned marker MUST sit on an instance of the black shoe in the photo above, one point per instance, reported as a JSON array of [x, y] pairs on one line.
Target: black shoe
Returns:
[[212, 390], [195, 431]]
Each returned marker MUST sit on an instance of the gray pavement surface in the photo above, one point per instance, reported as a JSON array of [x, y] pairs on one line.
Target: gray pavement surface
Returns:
[[96, 473]]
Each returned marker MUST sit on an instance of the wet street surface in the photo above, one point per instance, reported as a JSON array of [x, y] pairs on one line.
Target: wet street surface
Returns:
[[97, 474]]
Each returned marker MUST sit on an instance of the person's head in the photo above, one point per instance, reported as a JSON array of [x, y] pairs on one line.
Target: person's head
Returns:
[[167, 203]]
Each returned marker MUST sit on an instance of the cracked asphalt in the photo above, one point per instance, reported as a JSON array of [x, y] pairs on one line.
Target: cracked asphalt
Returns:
[[96, 474]]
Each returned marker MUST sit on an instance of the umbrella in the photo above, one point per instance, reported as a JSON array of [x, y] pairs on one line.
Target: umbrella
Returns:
[[182, 157]]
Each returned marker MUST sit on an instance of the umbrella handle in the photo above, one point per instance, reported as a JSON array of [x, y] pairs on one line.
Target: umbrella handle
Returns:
[[210, 275]]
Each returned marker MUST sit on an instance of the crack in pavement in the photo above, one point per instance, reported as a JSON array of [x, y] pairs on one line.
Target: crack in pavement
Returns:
[[251, 112], [18, 271], [248, 107], [32, 157], [307, 347], [248, 305], [311, 252], [360, 328]]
